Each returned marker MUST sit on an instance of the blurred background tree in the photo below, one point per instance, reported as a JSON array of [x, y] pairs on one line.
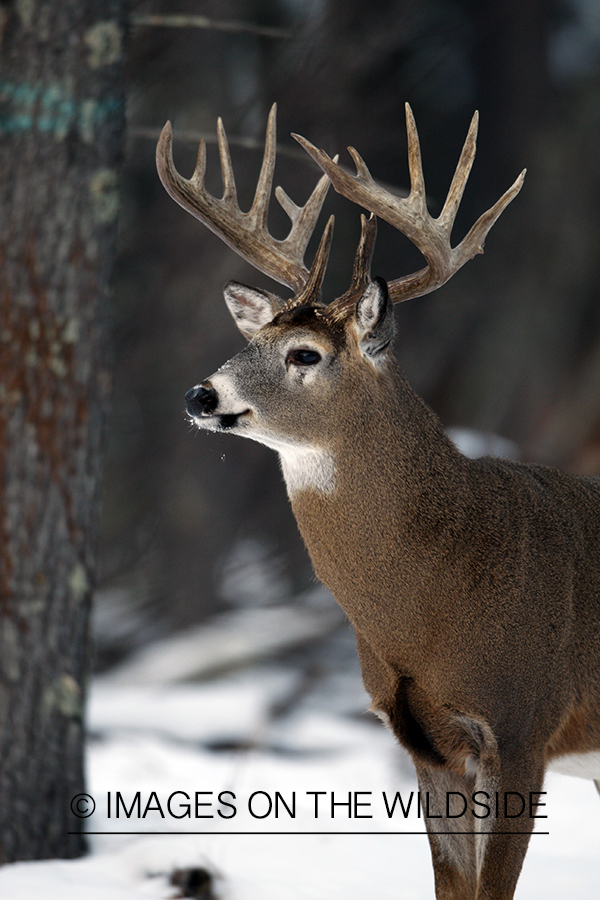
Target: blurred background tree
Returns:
[[61, 130], [511, 345]]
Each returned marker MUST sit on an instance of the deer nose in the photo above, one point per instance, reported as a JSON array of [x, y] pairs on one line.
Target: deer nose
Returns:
[[201, 400]]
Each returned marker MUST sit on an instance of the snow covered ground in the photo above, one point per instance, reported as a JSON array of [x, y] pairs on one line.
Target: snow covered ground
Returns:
[[265, 736]]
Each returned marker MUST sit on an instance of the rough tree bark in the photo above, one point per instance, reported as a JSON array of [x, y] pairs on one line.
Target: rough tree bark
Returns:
[[61, 126]]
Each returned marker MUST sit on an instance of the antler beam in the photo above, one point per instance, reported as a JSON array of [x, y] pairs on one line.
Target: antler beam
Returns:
[[410, 216], [246, 233]]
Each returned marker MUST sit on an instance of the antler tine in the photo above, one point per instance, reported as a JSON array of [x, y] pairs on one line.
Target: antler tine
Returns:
[[473, 242], [304, 218], [200, 170], [410, 216], [415, 165], [260, 206], [311, 294], [229, 188], [246, 233], [461, 175], [361, 273]]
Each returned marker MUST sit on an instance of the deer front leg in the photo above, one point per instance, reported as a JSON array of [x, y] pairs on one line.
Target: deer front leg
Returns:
[[501, 848], [479, 855], [453, 849]]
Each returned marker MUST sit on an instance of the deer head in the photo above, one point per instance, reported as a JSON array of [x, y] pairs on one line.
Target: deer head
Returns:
[[305, 359]]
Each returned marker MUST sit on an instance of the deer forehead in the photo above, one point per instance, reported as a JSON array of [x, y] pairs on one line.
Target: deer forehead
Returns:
[[276, 339], [308, 323], [267, 352]]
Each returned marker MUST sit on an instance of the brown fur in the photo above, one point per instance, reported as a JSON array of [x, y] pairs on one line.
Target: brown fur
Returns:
[[474, 589]]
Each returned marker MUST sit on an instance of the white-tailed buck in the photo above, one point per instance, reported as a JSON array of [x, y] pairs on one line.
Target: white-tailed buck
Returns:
[[473, 585]]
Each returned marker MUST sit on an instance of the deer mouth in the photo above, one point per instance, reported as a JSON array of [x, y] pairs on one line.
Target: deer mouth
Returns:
[[227, 421], [216, 421]]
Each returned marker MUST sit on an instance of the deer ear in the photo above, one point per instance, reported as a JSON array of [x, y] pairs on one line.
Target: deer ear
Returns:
[[374, 320], [251, 308]]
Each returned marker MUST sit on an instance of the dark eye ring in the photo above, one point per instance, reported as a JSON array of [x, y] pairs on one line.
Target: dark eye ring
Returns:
[[303, 357]]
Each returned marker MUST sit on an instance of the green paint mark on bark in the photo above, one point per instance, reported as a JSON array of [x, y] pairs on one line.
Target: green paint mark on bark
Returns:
[[50, 109]]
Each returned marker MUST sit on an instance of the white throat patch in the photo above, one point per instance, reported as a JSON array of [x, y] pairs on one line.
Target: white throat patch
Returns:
[[302, 466], [307, 467]]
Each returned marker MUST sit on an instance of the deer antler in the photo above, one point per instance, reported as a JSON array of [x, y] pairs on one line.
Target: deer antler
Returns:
[[410, 215], [246, 233]]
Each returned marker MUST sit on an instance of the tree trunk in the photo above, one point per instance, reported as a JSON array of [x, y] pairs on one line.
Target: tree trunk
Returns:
[[61, 126]]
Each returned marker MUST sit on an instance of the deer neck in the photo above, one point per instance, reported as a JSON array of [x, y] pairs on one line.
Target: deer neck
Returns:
[[387, 451], [389, 487]]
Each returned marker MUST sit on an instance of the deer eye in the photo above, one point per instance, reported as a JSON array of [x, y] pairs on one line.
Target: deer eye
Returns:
[[303, 357]]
